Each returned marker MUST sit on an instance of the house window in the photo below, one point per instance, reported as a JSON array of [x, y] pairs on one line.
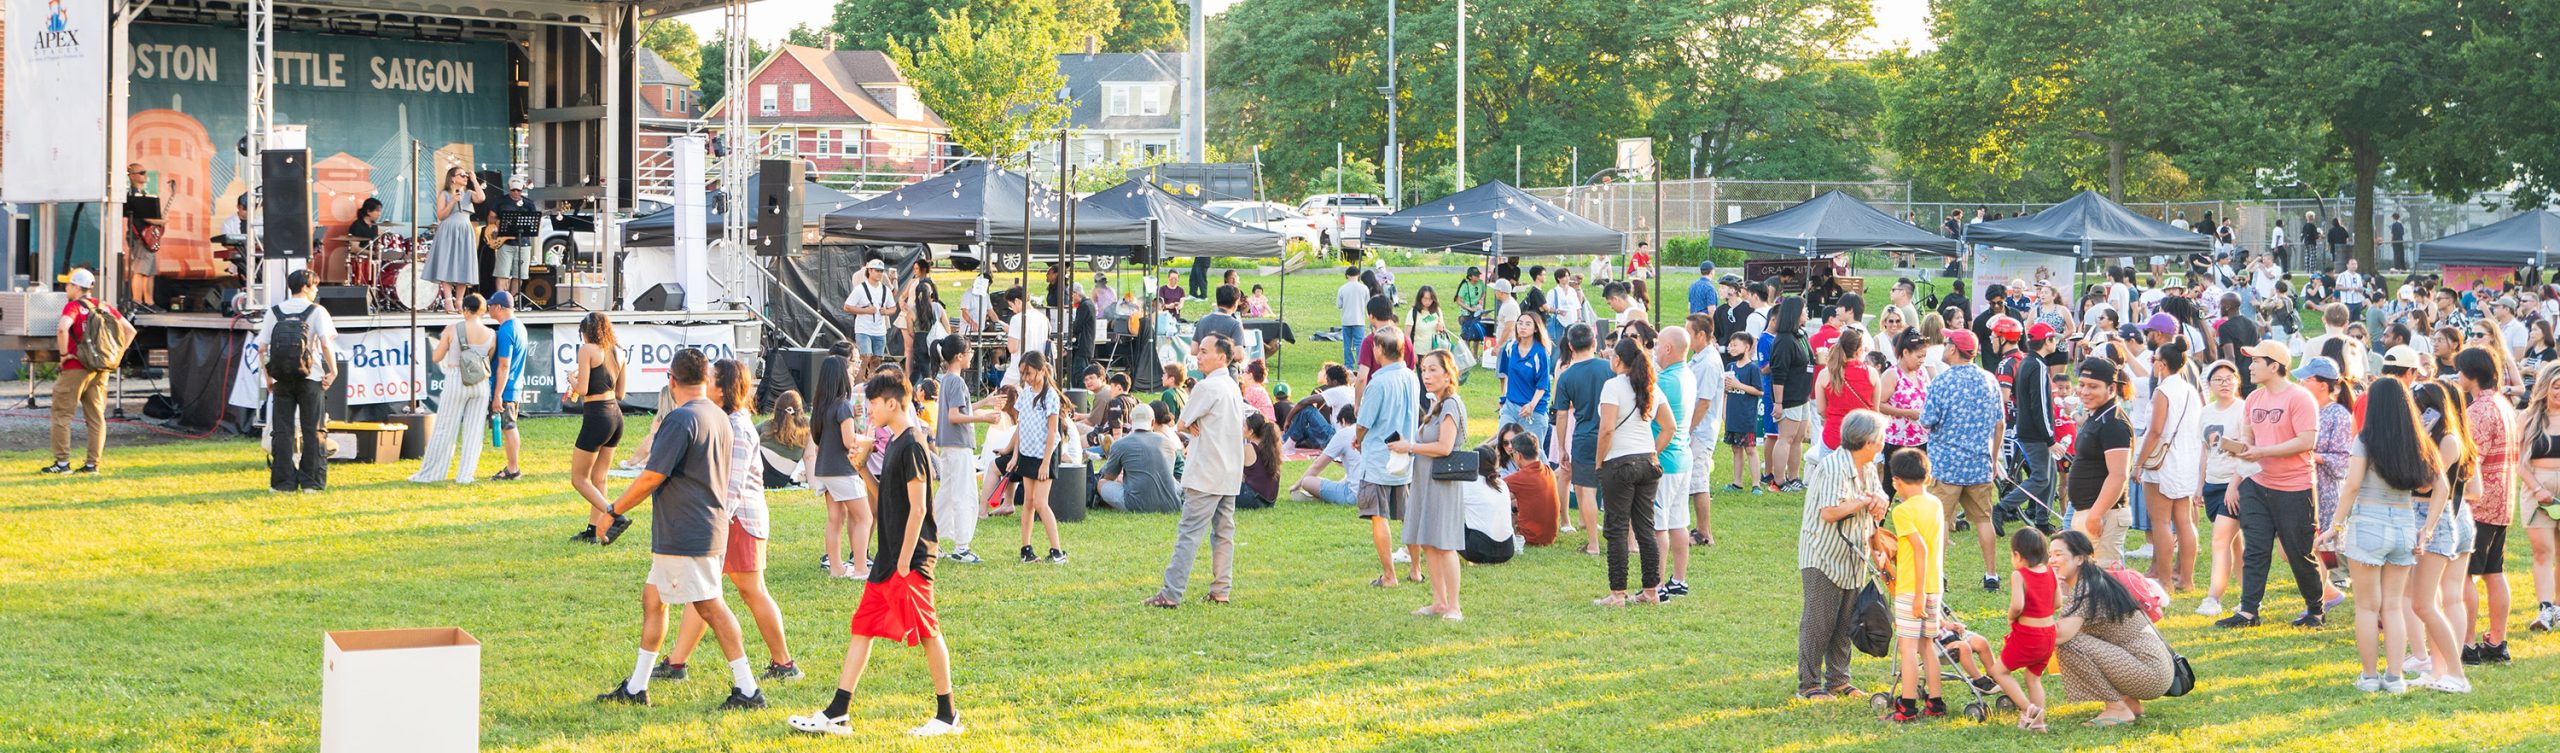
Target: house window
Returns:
[[1116, 101], [1152, 100], [799, 97], [825, 142], [769, 99], [785, 144], [668, 95], [1154, 151]]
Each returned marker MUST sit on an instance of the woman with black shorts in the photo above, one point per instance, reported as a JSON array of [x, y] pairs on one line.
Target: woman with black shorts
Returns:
[[598, 386], [1028, 463]]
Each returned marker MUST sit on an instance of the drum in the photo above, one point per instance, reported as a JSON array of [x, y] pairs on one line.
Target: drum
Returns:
[[390, 247], [398, 285], [359, 267]]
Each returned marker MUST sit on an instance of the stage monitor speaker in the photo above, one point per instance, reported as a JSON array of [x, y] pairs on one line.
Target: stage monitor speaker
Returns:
[[777, 207], [540, 285], [788, 369], [285, 202], [664, 296], [342, 300]]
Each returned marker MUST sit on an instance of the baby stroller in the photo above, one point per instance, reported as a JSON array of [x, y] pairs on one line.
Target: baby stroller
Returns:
[[1950, 675]]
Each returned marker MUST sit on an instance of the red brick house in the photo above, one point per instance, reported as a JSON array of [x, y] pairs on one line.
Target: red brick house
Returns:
[[849, 112]]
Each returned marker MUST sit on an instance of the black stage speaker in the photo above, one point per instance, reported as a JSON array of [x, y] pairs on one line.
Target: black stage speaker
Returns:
[[788, 369], [664, 296], [342, 300], [286, 202], [778, 206], [540, 283]]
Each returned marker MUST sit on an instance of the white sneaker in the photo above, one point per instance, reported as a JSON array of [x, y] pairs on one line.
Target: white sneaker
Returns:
[[2143, 553], [1400, 557], [1568, 528], [2395, 684], [937, 728], [820, 723], [2451, 684], [2418, 665], [2210, 607], [2369, 684]]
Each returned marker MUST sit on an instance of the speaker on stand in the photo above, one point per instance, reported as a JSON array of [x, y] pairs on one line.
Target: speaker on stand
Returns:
[[664, 296], [777, 207]]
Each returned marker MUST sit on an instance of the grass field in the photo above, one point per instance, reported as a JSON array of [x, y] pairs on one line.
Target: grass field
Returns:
[[175, 605]]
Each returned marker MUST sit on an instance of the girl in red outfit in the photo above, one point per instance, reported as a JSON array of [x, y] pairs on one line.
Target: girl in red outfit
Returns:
[[2029, 647]]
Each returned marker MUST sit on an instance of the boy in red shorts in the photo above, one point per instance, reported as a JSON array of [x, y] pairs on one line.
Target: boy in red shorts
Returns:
[[897, 600]]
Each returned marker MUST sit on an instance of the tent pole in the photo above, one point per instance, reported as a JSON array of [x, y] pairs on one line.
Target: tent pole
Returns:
[[1026, 237], [1063, 315], [1260, 197], [1658, 250]]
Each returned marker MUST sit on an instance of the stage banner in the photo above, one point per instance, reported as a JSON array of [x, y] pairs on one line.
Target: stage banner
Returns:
[[56, 146], [375, 367], [1998, 266], [647, 349], [362, 100]]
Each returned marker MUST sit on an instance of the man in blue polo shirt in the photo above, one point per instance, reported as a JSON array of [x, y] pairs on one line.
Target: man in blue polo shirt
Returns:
[[506, 366], [1702, 293]]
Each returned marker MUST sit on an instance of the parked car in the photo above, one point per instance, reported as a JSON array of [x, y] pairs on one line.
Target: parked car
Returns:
[[1009, 258], [1342, 215], [565, 233], [1277, 218]]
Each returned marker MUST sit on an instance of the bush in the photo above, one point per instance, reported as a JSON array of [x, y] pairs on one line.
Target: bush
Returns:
[[1687, 252]]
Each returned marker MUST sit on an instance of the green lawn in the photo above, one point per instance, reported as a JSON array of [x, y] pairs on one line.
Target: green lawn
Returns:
[[175, 605]]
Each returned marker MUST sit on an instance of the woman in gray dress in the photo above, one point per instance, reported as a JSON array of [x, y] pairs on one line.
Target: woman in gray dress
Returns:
[[453, 262], [2108, 649], [1436, 518]]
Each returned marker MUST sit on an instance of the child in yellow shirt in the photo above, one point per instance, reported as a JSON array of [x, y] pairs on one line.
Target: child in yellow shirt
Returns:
[[1918, 526]]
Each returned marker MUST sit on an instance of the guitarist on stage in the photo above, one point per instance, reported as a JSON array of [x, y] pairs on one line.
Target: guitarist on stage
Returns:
[[143, 226]]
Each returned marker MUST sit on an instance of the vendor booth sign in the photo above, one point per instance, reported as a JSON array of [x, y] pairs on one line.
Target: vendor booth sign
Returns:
[[56, 149]]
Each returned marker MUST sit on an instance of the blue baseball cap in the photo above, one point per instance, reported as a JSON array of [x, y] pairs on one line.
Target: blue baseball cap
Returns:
[[500, 299], [2317, 366]]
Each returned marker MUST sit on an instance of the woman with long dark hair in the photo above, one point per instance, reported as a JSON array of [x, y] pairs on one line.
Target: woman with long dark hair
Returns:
[[2491, 421], [1629, 448], [1527, 365], [1035, 434], [1262, 471], [2378, 528], [2106, 645], [837, 447], [2444, 549], [1435, 516], [597, 386], [453, 259], [2540, 436], [2169, 487], [1845, 384], [1791, 370], [1428, 325]]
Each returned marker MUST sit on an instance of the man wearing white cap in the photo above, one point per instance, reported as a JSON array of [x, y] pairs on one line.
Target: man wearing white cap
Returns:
[[82, 385], [870, 304], [515, 256]]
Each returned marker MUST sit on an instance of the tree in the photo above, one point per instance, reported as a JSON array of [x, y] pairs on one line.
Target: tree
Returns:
[[2085, 91], [1157, 25], [675, 42], [1355, 175], [993, 83], [803, 35], [715, 65], [1753, 85], [875, 24]]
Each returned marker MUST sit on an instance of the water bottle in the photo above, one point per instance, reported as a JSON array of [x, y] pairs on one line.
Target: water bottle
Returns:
[[497, 440]]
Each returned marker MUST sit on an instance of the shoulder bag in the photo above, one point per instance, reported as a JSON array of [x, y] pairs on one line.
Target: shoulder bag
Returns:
[[2160, 451], [1458, 465]]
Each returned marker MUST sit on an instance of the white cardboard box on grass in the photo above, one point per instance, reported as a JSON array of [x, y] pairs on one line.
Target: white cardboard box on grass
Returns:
[[400, 691]]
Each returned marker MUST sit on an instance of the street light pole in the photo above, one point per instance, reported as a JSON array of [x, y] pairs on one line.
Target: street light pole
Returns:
[[1395, 152]]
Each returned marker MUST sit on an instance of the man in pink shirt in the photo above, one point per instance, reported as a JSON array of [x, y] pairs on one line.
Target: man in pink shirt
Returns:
[[2275, 505]]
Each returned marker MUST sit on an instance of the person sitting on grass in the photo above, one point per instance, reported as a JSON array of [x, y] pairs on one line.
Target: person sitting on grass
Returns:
[[897, 598], [1343, 450], [1919, 579], [688, 477]]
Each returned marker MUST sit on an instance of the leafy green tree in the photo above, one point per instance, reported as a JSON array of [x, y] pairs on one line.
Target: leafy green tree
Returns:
[[675, 42], [1312, 84], [993, 82], [874, 24], [714, 77], [1357, 174], [803, 35], [1759, 89], [1157, 25]]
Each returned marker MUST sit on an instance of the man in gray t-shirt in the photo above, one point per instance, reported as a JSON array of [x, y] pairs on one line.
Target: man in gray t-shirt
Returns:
[[1136, 476], [688, 478]]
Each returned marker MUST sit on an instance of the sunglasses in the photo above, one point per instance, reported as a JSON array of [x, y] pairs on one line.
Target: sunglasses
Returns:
[[2478, 333]]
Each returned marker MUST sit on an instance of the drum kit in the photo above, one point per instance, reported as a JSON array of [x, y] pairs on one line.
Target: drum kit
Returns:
[[387, 267]]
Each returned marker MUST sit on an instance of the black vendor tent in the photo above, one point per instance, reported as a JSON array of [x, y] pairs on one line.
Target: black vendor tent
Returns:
[[1497, 220], [980, 203], [659, 228], [2088, 226], [1825, 225], [2527, 239], [1183, 228]]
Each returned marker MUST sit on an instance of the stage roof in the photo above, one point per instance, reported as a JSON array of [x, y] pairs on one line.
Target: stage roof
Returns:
[[2525, 239]]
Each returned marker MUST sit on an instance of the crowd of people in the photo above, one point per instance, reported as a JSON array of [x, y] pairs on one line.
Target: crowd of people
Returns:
[[2178, 412]]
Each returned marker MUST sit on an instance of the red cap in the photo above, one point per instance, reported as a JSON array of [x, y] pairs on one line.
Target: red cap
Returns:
[[2040, 332], [1963, 341]]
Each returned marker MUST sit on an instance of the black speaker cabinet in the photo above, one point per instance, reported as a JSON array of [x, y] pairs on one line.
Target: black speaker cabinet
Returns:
[[778, 206], [789, 369], [286, 202], [342, 300], [664, 296], [541, 284]]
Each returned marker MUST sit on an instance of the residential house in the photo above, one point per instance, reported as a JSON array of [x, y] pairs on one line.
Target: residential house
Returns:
[[848, 112], [1127, 108], [668, 106]]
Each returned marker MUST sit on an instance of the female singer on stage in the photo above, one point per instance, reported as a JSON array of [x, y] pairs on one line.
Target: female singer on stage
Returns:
[[453, 263]]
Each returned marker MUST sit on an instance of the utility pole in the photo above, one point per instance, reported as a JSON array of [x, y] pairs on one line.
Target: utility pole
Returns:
[[1395, 149], [1462, 96], [1195, 66]]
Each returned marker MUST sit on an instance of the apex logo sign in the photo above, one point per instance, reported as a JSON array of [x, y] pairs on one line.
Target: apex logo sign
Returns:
[[59, 38]]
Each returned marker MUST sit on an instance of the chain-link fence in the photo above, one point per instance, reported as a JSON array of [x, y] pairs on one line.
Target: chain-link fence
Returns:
[[1689, 208]]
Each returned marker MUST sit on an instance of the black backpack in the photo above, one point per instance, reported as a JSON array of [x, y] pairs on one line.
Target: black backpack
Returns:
[[292, 348], [1871, 616]]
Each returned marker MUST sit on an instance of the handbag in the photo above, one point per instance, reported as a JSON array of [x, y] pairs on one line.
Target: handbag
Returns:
[[2160, 452], [2182, 677], [1455, 466]]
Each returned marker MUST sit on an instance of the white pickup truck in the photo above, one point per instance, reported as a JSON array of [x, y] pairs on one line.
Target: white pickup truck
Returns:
[[1342, 215]]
